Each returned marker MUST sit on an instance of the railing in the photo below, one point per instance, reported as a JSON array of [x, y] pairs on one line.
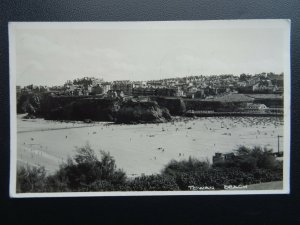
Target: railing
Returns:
[[211, 114]]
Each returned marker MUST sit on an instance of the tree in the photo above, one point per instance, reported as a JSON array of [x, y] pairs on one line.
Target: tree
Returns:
[[85, 171], [256, 157]]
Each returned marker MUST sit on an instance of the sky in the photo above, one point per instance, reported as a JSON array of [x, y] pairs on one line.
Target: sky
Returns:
[[51, 53]]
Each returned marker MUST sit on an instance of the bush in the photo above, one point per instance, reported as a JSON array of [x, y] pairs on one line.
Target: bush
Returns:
[[256, 158], [247, 163], [218, 177], [153, 183], [190, 165], [248, 159], [248, 166], [31, 179], [85, 172]]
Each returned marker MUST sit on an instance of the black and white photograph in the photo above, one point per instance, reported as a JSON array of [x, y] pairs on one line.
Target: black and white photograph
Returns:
[[149, 108]]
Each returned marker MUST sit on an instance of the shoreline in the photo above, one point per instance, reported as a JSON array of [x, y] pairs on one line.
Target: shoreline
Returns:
[[82, 124]]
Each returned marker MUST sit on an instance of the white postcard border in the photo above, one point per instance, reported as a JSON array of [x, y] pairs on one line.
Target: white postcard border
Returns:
[[87, 25]]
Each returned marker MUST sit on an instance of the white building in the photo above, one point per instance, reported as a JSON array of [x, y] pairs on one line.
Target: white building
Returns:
[[260, 108]]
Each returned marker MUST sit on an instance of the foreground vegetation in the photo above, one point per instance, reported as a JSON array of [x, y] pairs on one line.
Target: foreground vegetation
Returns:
[[85, 172]]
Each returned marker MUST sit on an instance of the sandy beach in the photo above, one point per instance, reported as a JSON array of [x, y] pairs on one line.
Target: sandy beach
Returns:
[[143, 148]]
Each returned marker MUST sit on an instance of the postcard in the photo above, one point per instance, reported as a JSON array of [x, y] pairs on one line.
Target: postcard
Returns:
[[149, 108]]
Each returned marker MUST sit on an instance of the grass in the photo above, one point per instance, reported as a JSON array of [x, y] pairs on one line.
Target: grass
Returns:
[[274, 185]]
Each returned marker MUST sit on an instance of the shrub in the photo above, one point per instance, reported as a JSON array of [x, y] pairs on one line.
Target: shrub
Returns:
[[218, 177], [249, 166], [190, 165], [31, 179], [85, 170], [247, 163], [248, 159], [153, 183], [99, 185], [257, 158], [59, 182]]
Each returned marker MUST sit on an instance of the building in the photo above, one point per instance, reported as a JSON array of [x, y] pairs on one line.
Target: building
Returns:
[[258, 108], [151, 91], [106, 87], [125, 86], [139, 84], [253, 81], [200, 93], [144, 91], [169, 92], [154, 83], [18, 89]]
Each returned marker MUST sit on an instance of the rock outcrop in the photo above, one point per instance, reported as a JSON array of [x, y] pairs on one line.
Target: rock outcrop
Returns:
[[86, 109], [142, 112], [176, 106]]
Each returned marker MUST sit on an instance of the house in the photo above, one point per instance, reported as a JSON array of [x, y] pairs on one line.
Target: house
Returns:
[[125, 86], [139, 84], [266, 86], [258, 108], [106, 86], [154, 83], [18, 89], [190, 95], [143, 91], [200, 93], [253, 81]]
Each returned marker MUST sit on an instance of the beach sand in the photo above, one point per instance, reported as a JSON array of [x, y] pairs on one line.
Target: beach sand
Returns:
[[143, 148]]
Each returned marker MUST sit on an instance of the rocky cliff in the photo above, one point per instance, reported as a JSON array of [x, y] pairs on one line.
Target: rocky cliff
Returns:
[[142, 112], [86, 109], [176, 106]]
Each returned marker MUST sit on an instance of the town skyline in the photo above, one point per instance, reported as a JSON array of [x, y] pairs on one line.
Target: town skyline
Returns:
[[166, 78], [48, 54]]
